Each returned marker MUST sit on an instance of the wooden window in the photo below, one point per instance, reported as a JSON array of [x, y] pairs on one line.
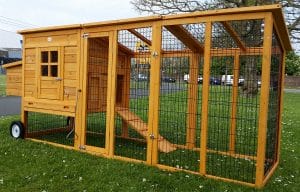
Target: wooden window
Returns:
[[49, 63]]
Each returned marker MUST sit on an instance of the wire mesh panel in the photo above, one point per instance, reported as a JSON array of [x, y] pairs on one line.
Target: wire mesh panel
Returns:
[[234, 99], [98, 49], [132, 92], [48, 127], [180, 96], [274, 105]]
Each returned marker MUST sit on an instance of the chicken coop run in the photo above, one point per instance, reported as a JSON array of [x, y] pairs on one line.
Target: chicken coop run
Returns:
[[198, 92]]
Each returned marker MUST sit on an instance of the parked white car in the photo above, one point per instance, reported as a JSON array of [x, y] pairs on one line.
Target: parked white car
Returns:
[[186, 78], [228, 80]]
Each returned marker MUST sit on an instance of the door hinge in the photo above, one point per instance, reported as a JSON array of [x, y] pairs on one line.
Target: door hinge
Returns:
[[85, 35], [151, 136], [82, 147]]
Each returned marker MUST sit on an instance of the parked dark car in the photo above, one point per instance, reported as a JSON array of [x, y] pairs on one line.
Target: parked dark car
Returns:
[[168, 79], [215, 81]]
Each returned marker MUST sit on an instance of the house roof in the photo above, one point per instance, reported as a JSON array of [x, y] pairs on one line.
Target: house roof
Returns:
[[13, 64], [276, 10]]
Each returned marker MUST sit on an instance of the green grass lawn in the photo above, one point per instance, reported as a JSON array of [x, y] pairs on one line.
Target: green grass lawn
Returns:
[[31, 166], [2, 84]]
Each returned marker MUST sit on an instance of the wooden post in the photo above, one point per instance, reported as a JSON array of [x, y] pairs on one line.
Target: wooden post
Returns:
[[80, 95], [280, 105], [234, 99], [264, 100], [152, 143], [205, 97], [111, 92], [84, 57], [192, 101], [24, 114]]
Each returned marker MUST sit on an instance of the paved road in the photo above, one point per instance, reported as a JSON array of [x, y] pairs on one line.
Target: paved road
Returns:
[[10, 105], [292, 90]]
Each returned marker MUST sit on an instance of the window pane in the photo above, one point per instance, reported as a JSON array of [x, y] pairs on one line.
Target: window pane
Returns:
[[44, 70], [53, 70], [44, 56], [54, 56]]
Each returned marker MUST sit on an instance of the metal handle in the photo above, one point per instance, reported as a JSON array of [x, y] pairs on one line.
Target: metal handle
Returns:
[[58, 78]]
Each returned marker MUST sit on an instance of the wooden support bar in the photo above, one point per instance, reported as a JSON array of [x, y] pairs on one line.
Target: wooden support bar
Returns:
[[152, 147], [264, 101], [140, 36], [81, 130], [281, 104], [125, 49], [234, 100], [49, 131], [79, 93], [205, 97], [24, 114], [185, 37], [214, 52], [192, 101], [111, 92], [234, 35]]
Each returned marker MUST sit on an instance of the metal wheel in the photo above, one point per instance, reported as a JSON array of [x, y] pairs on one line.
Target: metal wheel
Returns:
[[17, 129]]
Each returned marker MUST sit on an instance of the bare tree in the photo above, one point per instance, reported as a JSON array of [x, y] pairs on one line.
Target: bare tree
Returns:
[[163, 7], [292, 14]]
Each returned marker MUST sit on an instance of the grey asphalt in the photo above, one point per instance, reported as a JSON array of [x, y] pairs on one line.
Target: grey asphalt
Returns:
[[11, 105]]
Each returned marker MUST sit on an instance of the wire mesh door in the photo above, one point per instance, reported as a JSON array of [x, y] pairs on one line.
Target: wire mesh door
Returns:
[[180, 96], [97, 72], [132, 93]]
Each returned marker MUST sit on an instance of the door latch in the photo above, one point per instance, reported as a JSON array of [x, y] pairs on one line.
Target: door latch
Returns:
[[154, 54], [58, 78]]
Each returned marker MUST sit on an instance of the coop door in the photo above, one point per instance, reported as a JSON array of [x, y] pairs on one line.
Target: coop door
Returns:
[[50, 80], [97, 49]]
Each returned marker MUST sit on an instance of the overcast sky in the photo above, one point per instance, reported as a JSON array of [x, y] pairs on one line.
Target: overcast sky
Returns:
[[41, 13]]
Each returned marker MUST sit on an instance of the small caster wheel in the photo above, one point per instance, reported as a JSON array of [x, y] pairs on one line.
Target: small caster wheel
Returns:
[[17, 130]]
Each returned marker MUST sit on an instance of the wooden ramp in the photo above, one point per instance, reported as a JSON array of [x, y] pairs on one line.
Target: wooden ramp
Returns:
[[141, 127]]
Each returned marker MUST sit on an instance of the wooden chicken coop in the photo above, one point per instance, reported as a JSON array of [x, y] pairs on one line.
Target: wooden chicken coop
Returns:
[[117, 89]]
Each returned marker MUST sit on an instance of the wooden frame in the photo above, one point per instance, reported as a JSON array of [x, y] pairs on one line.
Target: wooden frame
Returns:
[[74, 39]]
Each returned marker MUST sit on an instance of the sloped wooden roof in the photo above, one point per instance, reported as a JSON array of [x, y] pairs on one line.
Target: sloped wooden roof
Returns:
[[12, 64], [276, 10]]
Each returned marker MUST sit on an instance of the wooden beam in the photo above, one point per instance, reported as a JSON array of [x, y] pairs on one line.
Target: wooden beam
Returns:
[[186, 37], [205, 97], [225, 52], [234, 99], [140, 36], [234, 35], [111, 93], [125, 49], [153, 117], [192, 101], [264, 102], [121, 47]]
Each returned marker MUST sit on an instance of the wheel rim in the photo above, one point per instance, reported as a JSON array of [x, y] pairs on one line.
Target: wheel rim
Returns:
[[15, 131]]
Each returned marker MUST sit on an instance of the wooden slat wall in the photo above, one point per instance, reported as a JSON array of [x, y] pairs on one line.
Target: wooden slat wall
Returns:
[[70, 72], [30, 67], [14, 80]]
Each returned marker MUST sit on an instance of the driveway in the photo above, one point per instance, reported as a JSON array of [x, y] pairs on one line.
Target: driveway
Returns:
[[10, 105]]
